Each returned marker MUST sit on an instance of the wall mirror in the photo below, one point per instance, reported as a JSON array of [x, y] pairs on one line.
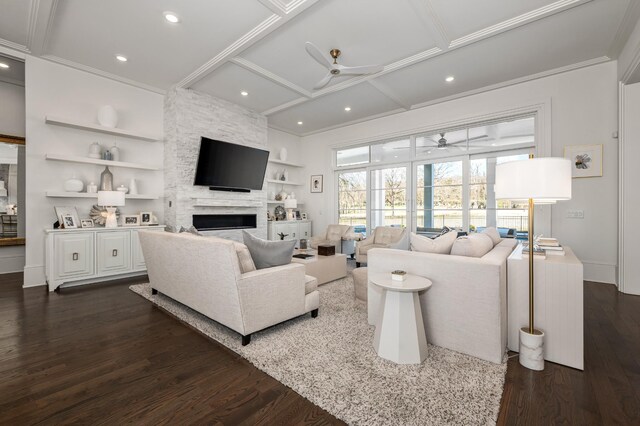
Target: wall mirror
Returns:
[[12, 190]]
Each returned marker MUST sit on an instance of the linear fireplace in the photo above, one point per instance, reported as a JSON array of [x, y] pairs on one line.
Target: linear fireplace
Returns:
[[211, 222]]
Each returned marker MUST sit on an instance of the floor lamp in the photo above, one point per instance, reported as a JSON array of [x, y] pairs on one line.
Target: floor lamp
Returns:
[[539, 181]]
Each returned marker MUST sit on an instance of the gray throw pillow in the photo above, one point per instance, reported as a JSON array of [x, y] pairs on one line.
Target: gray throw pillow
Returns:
[[267, 254]]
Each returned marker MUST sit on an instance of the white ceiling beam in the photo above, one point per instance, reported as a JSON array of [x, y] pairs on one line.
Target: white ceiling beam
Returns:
[[284, 106], [275, 6], [267, 26], [518, 21], [426, 12], [41, 17], [388, 92], [256, 69]]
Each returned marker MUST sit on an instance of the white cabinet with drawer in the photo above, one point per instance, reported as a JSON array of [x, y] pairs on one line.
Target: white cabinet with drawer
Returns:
[[93, 254], [292, 229]]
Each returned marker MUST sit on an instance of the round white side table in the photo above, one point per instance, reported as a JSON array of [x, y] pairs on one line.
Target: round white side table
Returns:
[[400, 335]]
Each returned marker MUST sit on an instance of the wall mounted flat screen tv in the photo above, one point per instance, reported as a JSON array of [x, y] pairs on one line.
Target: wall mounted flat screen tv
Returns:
[[224, 166]]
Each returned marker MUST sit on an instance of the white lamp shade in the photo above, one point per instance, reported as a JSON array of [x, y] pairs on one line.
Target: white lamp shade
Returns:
[[110, 198], [546, 180], [290, 203]]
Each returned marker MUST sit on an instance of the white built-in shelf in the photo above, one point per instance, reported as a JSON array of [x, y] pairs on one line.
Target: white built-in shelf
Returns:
[[216, 202], [285, 163], [283, 182], [62, 194], [87, 160], [282, 202], [67, 122]]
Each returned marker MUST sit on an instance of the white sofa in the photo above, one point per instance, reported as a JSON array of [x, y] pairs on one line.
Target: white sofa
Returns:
[[465, 309], [382, 237], [205, 274]]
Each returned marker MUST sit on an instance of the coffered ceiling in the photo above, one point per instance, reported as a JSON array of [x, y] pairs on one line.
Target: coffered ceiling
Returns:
[[225, 48]]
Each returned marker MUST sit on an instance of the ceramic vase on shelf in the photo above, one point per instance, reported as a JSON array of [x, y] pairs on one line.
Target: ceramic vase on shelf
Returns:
[[106, 180], [92, 188], [122, 188], [108, 116], [115, 153], [283, 154], [95, 150], [133, 187], [73, 185]]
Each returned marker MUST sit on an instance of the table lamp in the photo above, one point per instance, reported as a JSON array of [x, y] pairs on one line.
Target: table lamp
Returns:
[[542, 181], [290, 204], [110, 200]]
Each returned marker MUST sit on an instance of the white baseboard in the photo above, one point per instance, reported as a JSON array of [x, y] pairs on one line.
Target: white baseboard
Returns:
[[34, 276], [600, 272], [11, 264]]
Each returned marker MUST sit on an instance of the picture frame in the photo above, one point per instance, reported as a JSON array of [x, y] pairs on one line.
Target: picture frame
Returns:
[[146, 218], [87, 223], [69, 222], [303, 216], [298, 217], [586, 160], [316, 183], [64, 211], [130, 220]]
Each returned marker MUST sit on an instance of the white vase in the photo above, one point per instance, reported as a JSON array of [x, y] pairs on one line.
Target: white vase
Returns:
[[92, 188], [108, 116], [283, 154], [95, 150], [115, 153], [133, 187], [122, 188], [73, 185]]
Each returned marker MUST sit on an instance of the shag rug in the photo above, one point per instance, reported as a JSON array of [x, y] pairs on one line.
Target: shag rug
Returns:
[[330, 360]]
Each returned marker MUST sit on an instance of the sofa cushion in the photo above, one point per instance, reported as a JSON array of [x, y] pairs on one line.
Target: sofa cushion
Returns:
[[365, 249], [387, 235], [474, 245], [439, 245], [267, 254], [493, 234], [244, 258], [310, 284]]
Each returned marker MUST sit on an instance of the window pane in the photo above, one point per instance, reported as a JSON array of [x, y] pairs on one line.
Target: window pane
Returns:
[[478, 171], [352, 156], [513, 132], [392, 178], [477, 218], [389, 217], [514, 218], [352, 198], [439, 219], [478, 196], [391, 151], [441, 143]]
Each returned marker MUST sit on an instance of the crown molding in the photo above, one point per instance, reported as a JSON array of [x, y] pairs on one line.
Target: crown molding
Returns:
[[14, 46], [281, 129], [426, 12], [633, 66], [95, 71], [388, 92], [626, 27], [518, 21], [256, 69], [40, 24]]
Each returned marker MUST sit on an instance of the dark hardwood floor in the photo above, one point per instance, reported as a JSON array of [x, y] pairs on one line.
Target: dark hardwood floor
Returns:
[[103, 355]]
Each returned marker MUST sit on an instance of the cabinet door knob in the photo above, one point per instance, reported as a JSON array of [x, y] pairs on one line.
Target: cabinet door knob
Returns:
[[75, 256], [114, 253]]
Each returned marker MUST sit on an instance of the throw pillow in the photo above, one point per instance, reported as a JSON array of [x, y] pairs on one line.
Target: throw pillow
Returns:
[[493, 234], [439, 245], [474, 245], [244, 258], [267, 254]]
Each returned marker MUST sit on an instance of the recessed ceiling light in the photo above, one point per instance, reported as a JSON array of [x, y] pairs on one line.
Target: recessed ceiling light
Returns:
[[300, 123], [171, 17], [121, 58], [449, 79], [3, 65], [347, 109], [493, 144], [244, 93]]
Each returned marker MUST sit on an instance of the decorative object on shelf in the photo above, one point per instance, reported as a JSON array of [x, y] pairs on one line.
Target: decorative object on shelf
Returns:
[[303, 244], [133, 187], [87, 223], [538, 180], [304, 216], [297, 212], [106, 180], [280, 213], [122, 188], [95, 150], [108, 116], [146, 218], [316, 183], [110, 200], [73, 185], [282, 195], [130, 220], [282, 235], [3, 189], [290, 204], [66, 211], [283, 154], [586, 160], [12, 209], [106, 155], [283, 175], [292, 195], [92, 188], [68, 222], [398, 275], [99, 215], [115, 152]]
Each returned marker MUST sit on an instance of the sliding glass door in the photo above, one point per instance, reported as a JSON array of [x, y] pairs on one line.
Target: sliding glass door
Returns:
[[352, 200], [389, 199], [438, 196]]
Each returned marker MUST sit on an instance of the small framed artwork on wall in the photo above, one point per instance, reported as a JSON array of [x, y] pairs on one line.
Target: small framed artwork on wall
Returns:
[[316, 183], [586, 160]]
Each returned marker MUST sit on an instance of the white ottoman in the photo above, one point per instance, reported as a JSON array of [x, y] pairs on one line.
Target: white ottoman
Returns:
[[360, 282]]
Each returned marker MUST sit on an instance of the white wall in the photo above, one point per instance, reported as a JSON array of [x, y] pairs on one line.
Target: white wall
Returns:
[[583, 110], [58, 90]]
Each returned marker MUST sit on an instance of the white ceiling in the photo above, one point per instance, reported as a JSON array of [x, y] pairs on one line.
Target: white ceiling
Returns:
[[225, 47]]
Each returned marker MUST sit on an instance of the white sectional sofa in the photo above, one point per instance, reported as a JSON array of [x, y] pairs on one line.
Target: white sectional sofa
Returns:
[[466, 307]]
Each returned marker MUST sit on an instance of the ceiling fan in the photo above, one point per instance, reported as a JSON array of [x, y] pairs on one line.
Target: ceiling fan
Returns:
[[334, 67], [442, 143]]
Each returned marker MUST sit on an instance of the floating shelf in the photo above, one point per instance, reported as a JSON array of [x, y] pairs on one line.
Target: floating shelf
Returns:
[[282, 202], [215, 202], [285, 163], [87, 160], [62, 194], [283, 182], [66, 122]]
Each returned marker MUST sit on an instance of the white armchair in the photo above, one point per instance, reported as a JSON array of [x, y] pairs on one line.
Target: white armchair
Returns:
[[382, 237], [340, 236]]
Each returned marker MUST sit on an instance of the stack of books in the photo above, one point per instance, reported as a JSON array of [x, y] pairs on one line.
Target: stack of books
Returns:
[[537, 251], [551, 246]]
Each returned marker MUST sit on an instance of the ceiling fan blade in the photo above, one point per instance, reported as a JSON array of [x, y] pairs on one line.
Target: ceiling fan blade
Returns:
[[323, 82], [317, 55], [365, 69], [475, 138]]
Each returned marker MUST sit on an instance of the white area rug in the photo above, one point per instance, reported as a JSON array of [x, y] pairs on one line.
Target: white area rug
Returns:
[[330, 360]]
